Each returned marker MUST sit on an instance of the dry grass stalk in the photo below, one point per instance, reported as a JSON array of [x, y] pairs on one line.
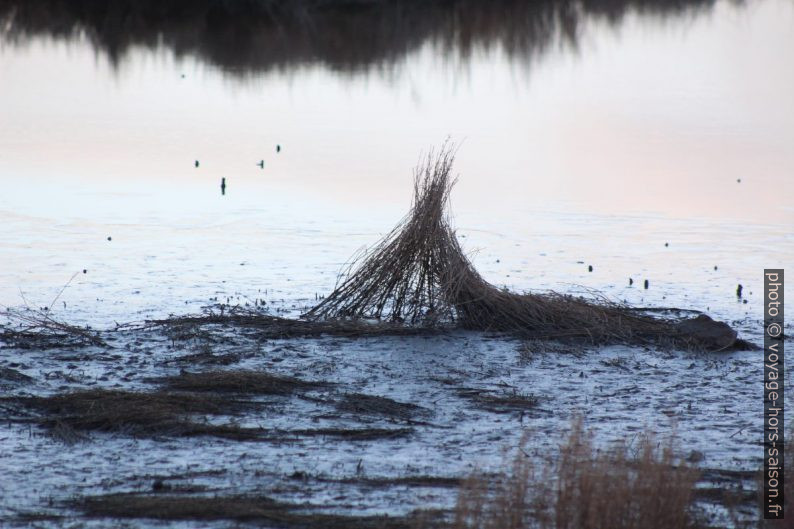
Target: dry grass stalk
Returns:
[[28, 328], [584, 489], [419, 274], [399, 280]]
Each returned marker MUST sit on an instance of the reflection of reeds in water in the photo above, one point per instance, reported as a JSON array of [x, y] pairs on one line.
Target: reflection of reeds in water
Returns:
[[419, 274], [244, 37]]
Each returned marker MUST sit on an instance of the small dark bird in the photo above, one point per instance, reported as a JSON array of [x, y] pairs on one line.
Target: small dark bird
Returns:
[[738, 180], [647, 284], [631, 281], [197, 163], [85, 271], [223, 186], [739, 291], [261, 164], [715, 267], [666, 244], [278, 148], [110, 238], [589, 268]]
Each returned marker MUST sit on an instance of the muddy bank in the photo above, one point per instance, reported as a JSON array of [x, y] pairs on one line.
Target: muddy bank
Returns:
[[365, 425], [191, 404]]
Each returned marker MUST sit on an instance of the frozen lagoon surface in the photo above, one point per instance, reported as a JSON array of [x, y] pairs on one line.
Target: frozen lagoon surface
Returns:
[[625, 155]]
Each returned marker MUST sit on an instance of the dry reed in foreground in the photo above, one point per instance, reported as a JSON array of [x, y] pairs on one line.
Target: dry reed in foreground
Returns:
[[419, 275], [644, 488]]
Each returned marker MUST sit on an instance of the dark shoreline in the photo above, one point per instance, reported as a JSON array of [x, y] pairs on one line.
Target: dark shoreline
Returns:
[[249, 36]]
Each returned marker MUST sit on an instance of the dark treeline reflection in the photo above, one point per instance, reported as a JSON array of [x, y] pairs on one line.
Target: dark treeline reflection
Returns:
[[247, 36]]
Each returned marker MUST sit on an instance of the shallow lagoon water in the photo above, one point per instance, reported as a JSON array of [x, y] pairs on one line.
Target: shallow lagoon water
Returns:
[[594, 155]]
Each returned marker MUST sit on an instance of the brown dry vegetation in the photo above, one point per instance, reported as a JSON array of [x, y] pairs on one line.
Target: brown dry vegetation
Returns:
[[28, 328], [501, 403], [360, 403], [418, 279], [137, 413], [275, 327], [419, 275], [620, 488], [185, 402]]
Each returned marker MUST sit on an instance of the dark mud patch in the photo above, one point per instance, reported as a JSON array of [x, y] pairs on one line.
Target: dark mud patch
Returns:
[[274, 327], [355, 434], [136, 413], [206, 357], [183, 407], [10, 376], [397, 481], [239, 381], [363, 404], [241, 508], [501, 402]]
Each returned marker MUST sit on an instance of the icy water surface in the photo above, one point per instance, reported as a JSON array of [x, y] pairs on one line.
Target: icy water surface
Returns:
[[656, 146]]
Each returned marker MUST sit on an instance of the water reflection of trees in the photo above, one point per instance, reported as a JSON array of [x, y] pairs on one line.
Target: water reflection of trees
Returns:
[[247, 36]]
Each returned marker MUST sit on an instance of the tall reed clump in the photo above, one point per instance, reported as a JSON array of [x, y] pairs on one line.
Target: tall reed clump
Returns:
[[419, 274], [621, 488]]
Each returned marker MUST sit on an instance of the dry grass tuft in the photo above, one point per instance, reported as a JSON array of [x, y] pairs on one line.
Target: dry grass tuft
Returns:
[[360, 403], [239, 381], [501, 402], [645, 488], [418, 274], [137, 413], [275, 327], [38, 329]]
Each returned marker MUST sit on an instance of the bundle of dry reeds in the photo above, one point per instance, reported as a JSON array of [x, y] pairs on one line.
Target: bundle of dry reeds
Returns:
[[419, 274]]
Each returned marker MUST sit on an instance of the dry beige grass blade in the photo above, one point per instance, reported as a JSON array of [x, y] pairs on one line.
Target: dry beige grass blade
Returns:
[[585, 488]]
